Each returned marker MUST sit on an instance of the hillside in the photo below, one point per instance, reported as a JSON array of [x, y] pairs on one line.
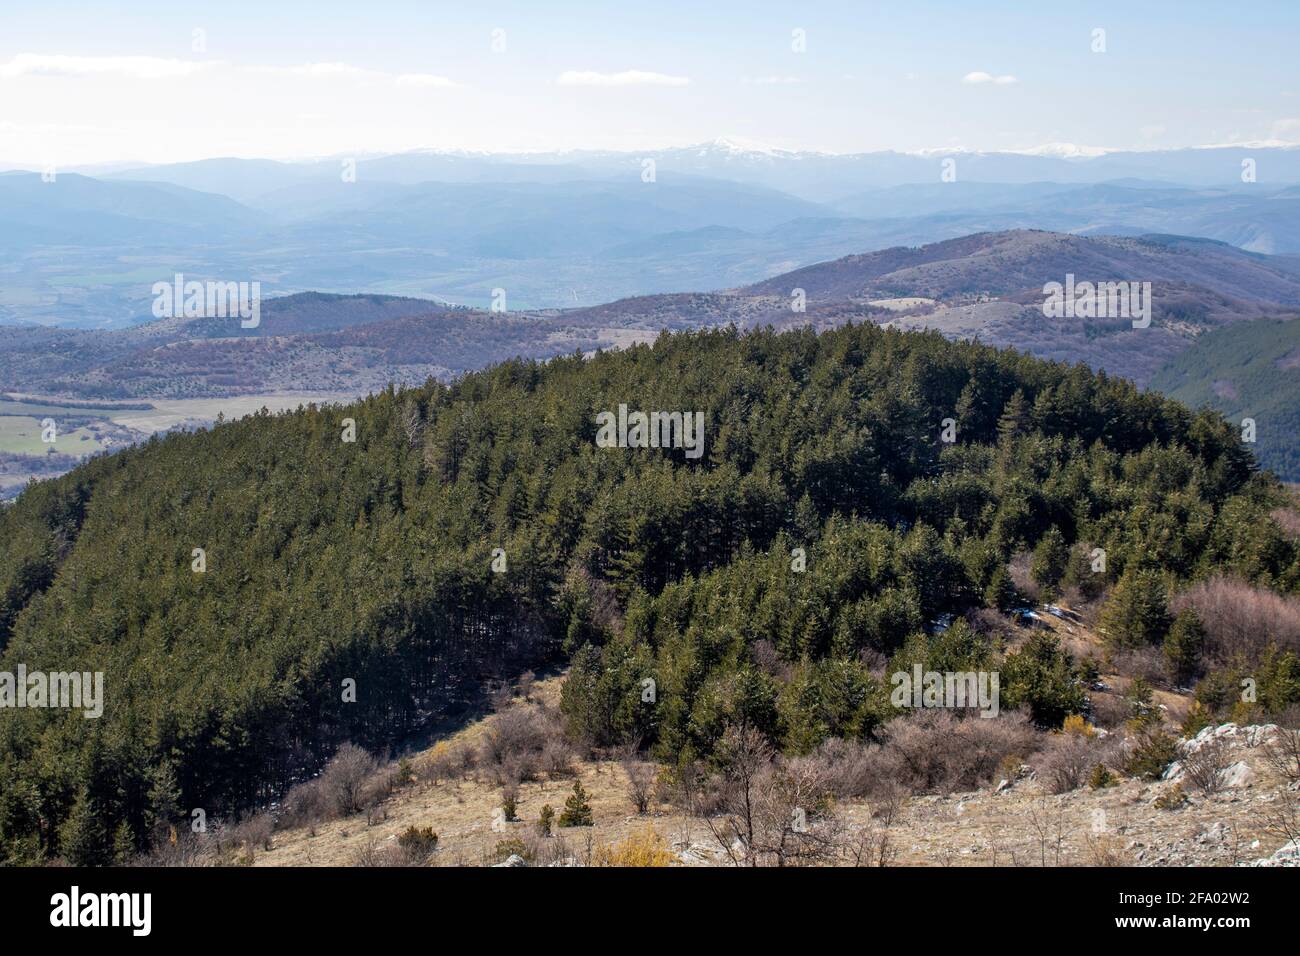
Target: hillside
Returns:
[[1017, 820], [1012, 263], [371, 590], [1248, 371]]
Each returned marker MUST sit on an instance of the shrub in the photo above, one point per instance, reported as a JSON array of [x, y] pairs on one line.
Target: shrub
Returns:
[[345, 777], [405, 772], [255, 831], [1152, 751], [1197, 719], [577, 812], [447, 762], [1282, 753], [640, 784], [1100, 778], [1109, 710], [1076, 725], [417, 843], [1064, 763], [933, 751], [545, 820], [641, 849], [1204, 766], [513, 846], [510, 803], [1171, 799], [515, 741], [306, 804], [1141, 698]]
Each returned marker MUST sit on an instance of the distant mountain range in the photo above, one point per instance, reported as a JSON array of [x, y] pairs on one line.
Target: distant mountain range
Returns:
[[815, 176], [580, 229]]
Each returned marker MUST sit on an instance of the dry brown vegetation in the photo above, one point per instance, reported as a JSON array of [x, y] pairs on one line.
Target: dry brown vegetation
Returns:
[[1241, 620]]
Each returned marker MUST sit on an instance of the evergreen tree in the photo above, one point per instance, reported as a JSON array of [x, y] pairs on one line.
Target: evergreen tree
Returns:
[[1051, 558], [1183, 646], [1137, 613], [577, 812]]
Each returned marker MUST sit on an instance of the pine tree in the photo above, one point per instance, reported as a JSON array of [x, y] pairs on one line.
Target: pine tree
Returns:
[[545, 820], [83, 838], [1001, 593], [1183, 646], [1137, 613], [1014, 420], [1051, 559], [577, 812]]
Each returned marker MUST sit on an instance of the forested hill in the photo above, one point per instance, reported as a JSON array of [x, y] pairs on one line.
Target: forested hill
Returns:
[[329, 561]]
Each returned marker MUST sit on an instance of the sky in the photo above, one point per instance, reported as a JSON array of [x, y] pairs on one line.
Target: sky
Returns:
[[90, 82]]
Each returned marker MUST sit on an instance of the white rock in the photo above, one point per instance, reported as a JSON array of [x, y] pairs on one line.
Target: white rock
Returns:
[[1238, 775], [1288, 854]]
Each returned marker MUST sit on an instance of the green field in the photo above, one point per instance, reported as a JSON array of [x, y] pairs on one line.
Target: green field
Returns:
[[41, 409], [21, 435]]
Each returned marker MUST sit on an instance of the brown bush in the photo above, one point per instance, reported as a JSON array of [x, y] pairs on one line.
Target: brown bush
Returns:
[[934, 751], [514, 747], [373, 854], [1110, 710], [447, 762], [1147, 663], [772, 812], [851, 769], [1282, 753], [557, 758], [306, 803], [1203, 768], [1241, 620], [1068, 760], [255, 832], [1022, 578], [1288, 519], [641, 778], [345, 779]]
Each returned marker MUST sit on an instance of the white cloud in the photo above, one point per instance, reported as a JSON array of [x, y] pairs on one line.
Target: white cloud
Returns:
[[138, 67], [626, 78], [979, 77]]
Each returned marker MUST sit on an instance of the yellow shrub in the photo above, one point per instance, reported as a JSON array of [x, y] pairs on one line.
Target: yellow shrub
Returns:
[[645, 848], [1077, 726]]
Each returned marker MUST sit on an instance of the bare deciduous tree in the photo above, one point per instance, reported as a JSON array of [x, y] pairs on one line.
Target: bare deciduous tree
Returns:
[[345, 776], [640, 783]]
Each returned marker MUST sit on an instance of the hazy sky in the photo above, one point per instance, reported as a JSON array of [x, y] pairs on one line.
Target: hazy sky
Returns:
[[84, 82]]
